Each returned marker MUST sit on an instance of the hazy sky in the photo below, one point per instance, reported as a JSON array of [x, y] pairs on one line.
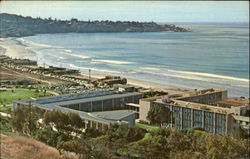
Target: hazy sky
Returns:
[[160, 11]]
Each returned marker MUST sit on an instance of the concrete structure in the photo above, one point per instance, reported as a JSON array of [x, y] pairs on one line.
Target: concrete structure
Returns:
[[187, 113], [117, 115], [134, 107], [206, 96], [88, 102], [233, 102]]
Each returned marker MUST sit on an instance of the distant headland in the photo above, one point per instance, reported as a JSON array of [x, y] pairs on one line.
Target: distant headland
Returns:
[[18, 26]]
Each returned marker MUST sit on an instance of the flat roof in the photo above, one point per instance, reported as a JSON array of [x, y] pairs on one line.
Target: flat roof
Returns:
[[234, 101], [56, 102], [84, 115], [84, 97], [198, 106], [114, 115], [197, 93]]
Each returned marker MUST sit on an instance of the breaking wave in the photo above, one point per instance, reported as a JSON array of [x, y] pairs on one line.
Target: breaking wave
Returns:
[[34, 44], [112, 62], [210, 75], [94, 69], [80, 56]]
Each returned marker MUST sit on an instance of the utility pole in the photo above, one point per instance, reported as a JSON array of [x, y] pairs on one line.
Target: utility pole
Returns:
[[89, 74], [30, 118], [30, 125]]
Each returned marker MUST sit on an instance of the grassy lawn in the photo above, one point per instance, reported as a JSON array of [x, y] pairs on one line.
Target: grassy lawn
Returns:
[[147, 127], [9, 96]]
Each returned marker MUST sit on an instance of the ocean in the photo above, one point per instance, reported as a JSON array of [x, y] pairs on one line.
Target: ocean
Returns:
[[212, 55]]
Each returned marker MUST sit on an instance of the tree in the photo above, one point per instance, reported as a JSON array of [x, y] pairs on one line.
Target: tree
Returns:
[[225, 147], [85, 149], [24, 119], [68, 123], [147, 149], [158, 114]]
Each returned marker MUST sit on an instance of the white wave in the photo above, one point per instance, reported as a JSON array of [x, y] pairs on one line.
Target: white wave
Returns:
[[175, 75], [80, 56], [94, 69], [112, 62], [20, 39], [200, 78], [69, 51], [150, 68], [210, 75], [31, 43]]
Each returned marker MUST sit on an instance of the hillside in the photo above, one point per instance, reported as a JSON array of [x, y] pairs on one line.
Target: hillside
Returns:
[[16, 147], [17, 26]]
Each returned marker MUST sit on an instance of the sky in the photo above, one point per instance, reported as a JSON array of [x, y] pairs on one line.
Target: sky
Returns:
[[158, 11]]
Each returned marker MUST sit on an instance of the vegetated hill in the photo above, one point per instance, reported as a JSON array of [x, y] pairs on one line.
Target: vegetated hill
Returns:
[[17, 147], [16, 26]]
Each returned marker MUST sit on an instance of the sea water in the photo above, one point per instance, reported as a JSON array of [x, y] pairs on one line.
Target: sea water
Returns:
[[212, 55]]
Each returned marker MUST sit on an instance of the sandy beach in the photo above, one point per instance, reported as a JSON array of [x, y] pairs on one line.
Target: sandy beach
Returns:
[[15, 50], [148, 85]]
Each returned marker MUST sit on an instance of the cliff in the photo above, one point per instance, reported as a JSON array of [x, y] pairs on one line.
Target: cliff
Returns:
[[17, 26]]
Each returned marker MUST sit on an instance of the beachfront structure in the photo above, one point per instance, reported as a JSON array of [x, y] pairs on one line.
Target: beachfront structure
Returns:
[[91, 106], [187, 113]]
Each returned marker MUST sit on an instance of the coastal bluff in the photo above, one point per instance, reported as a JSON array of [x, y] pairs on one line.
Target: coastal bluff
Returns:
[[18, 26]]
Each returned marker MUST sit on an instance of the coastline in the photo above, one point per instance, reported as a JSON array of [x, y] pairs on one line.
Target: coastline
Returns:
[[15, 50]]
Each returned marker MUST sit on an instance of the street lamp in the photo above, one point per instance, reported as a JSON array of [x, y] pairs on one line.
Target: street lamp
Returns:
[[30, 126]]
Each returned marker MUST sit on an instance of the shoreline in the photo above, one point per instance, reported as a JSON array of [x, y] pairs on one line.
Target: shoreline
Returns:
[[15, 50]]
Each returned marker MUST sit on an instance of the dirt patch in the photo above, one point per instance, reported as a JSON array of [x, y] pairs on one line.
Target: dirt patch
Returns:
[[10, 74]]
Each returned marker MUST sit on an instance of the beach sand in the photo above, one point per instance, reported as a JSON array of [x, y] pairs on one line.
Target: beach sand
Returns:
[[156, 86], [149, 85], [15, 50]]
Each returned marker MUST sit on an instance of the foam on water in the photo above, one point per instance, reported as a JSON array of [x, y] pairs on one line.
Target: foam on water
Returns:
[[68, 51], [93, 69], [149, 68], [210, 75], [34, 44], [112, 62], [80, 56]]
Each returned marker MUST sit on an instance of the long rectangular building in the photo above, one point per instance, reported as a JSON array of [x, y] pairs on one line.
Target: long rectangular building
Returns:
[[91, 101]]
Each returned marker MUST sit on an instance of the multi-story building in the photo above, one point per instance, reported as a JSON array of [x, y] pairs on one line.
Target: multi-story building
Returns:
[[87, 105], [198, 109], [186, 115]]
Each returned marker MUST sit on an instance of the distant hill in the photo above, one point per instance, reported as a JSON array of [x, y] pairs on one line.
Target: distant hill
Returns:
[[17, 26]]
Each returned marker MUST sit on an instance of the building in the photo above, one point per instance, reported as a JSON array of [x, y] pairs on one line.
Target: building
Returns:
[[98, 109], [23, 62], [233, 102], [134, 107], [117, 115], [206, 96], [198, 110]]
